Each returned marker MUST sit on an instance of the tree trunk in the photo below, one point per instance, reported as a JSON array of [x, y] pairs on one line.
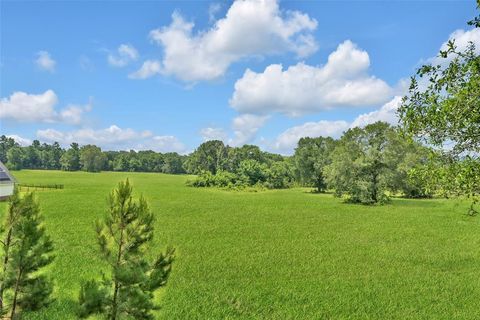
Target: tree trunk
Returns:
[[375, 188], [6, 244], [117, 285], [15, 295]]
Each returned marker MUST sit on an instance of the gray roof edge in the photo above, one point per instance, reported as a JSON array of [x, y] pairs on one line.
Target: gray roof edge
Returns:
[[4, 168]]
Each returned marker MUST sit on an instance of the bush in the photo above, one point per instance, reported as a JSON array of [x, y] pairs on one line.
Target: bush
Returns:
[[252, 172], [224, 179], [204, 179], [279, 176]]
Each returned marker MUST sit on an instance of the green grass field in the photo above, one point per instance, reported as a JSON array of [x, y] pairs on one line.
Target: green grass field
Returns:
[[283, 254]]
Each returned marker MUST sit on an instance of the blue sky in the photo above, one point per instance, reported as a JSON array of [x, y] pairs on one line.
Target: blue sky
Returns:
[[168, 75]]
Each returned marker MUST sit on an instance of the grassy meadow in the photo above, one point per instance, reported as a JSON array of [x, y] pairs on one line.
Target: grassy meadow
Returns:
[[277, 254]]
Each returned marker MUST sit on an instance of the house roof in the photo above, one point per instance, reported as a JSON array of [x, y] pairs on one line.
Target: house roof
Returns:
[[5, 175]]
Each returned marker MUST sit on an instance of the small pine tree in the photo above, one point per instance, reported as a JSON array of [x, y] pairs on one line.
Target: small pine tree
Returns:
[[26, 250], [123, 237]]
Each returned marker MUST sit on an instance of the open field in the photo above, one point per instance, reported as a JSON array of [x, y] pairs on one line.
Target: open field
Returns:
[[283, 254]]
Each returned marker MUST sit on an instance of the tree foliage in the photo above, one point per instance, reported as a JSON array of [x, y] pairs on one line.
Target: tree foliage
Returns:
[[371, 162], [123, 238], [70, 160], [26, 250], [209, 156], [442, 109], [312, 155], [91, 158]]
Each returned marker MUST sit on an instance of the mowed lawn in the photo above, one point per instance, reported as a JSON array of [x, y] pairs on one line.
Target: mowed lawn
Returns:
[[283, 254]]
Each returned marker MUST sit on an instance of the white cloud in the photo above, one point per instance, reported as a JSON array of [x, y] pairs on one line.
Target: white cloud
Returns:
[[73, 114], [302, 89], [163, 144], [213, 9], [148, 69], [462, 40], [250, 28], [111, 135], [288, 139], [245, 128], [22, 141], [213, 134], [125, 54], [45, 62], [25, 107], [387, 113], [114, 138]]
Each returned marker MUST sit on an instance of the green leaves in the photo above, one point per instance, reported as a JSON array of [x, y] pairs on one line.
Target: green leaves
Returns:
[[93, 299], [369, 162], [312, 155], [442, 109], [26, 250], [123, 238]]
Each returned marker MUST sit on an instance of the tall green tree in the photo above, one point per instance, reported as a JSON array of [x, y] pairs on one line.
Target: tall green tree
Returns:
[[70, 160], [15, 158], [359, 167], [172, 163], [26, 250], [246, 152], [123, 237], [312, 155], [442, 108], [209, 156], [6, 143], [91, 158]]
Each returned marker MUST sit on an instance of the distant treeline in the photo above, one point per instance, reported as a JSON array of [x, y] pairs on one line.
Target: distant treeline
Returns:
[[87, 158], [365, 165]]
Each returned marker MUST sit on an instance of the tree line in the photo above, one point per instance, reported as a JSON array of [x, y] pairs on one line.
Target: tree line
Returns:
[[365, 165], [87, 158]]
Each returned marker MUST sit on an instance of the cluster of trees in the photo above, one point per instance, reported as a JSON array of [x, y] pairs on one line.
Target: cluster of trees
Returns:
[[365, 165], [88, 158], [123, 236], [442, 109], [223, 166]]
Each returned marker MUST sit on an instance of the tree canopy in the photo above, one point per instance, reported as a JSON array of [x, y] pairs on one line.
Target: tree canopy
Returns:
[[442, 109]]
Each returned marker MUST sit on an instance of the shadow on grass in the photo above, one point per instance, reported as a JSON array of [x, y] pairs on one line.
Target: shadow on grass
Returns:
[[314, 191], [61, 309], [414, 202]]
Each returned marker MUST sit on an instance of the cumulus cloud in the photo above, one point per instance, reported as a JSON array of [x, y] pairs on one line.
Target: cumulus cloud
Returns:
[[250, 28], [148, 69], [114, 138], [73, 114], [25, 107], [302, 89], [111, 135], [387, 113], [245, 128], [22, 106], [213, 134], [287, 140], [22, 141], [163, 144], [462, 38], [45, 62], [124, 55]]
